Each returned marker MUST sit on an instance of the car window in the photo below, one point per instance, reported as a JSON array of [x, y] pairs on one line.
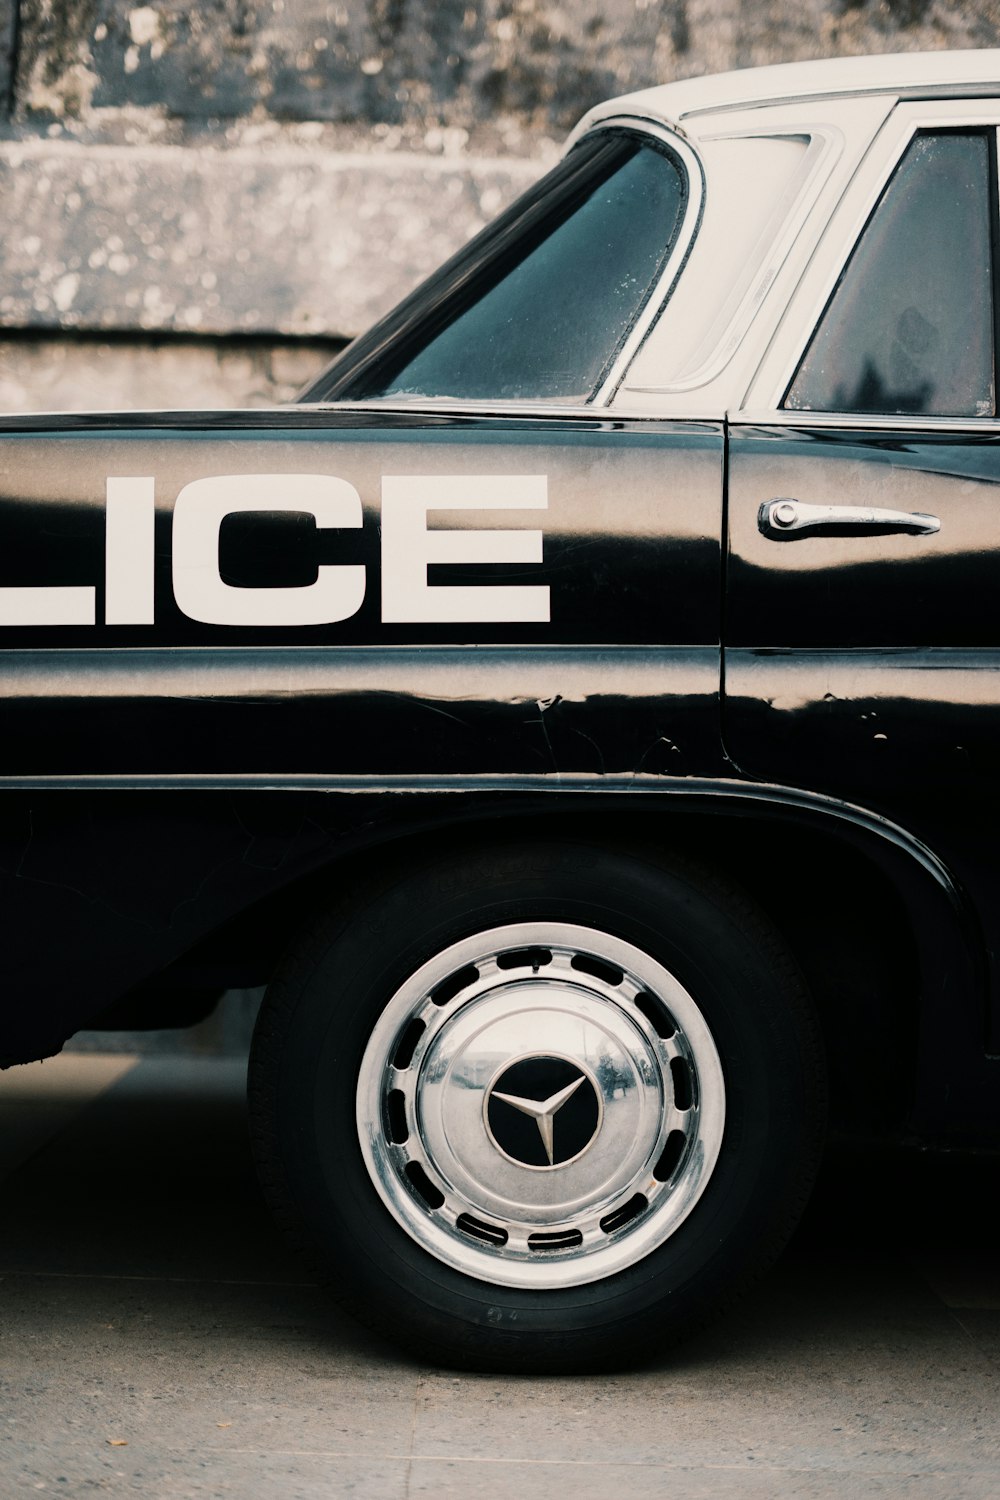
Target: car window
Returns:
[[536, 307], [909, 327]]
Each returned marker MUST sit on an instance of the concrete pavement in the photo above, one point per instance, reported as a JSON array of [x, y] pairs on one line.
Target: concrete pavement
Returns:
[[156, 1338]]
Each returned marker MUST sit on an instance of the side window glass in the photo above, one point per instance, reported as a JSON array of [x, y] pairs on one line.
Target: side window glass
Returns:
[[538, 307], [909, 328]]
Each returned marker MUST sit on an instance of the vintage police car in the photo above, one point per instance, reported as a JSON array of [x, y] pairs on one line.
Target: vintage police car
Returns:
[[582, 711]]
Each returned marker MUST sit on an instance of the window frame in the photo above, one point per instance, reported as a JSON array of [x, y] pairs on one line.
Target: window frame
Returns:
[[775, 373], [620, 358]]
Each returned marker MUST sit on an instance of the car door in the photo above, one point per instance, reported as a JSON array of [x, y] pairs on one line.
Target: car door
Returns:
[[488, 599], [862, 634], [466, 567]]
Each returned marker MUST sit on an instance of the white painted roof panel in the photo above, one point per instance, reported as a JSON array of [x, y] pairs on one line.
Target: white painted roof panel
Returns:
[[905, 74]]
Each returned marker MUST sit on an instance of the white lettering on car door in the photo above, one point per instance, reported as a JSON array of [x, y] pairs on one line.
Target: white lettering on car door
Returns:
[[201, 593], [409, 545], [129, 551], [75, 604]]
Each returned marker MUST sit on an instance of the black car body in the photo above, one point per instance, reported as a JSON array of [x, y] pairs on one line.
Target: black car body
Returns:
[[658, 521]]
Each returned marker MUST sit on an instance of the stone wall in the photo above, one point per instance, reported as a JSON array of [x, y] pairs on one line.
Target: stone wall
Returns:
[[202, 202], [415, 64]]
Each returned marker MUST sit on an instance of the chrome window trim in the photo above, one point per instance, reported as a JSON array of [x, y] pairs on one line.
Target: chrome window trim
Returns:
[[457, 406], [695, 172], [243, 417], [826, 142], [984, 115], [857, 421]]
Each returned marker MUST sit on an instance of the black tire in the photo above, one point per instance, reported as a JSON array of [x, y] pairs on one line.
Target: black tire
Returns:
[[317, 1021]]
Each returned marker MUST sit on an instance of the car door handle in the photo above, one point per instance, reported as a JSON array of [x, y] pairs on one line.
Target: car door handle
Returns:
[[789, 518]]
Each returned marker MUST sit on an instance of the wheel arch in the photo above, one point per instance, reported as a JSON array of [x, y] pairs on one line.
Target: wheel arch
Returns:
[[884, 934], [875, 919]]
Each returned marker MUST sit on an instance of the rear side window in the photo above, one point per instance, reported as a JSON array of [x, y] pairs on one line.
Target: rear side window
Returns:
[[909, 328], [538, 306]]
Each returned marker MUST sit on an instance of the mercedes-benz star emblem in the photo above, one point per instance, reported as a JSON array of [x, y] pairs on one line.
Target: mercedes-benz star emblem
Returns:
[[542, 1111]]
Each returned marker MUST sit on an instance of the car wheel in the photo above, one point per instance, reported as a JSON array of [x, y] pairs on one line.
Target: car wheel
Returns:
[[539, 1107]]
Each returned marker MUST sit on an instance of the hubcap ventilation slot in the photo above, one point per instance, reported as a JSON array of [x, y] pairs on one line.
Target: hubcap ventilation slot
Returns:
[[395, 1106], [562, 1239], [491, 1233], [628, 1211], [656, 1013], [525, 958], [454, 985], [407, 1044], [681, 1075], [587, 964], [670, 1156], [423, 1186]]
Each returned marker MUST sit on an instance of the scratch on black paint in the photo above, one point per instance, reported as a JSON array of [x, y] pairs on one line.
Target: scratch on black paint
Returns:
[[433, 708], [601, 767], [544, 705], [661, 739]]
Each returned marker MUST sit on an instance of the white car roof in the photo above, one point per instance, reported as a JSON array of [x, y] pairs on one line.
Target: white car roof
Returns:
[[903, 74], [700, 357]]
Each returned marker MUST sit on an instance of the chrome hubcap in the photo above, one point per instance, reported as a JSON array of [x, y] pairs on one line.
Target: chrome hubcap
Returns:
[[541, 1105]]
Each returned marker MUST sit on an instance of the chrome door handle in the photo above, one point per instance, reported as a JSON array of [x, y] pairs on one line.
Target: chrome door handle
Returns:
[[785, 517]]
